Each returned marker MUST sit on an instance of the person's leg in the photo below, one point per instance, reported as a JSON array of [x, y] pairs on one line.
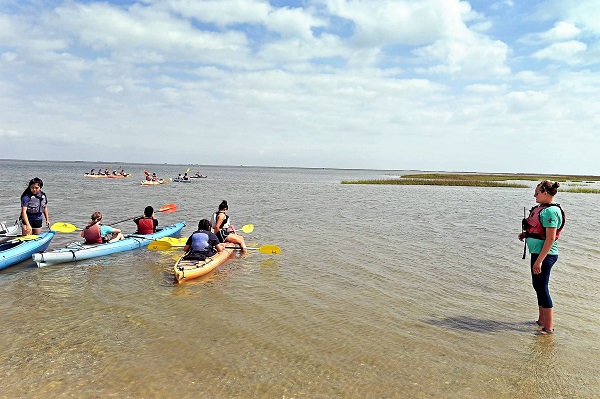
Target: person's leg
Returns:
[[236, 239]]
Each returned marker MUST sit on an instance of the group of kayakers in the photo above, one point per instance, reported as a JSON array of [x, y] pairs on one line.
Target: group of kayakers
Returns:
[[106, 172], [210, 238]]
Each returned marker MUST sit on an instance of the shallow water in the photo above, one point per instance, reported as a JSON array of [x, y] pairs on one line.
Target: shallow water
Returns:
[[380, 291]]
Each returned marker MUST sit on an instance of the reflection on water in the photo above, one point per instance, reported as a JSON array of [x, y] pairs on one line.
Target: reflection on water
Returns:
[[413, 292]]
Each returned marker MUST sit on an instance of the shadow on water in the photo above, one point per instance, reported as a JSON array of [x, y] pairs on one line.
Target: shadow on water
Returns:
[[467, 323]]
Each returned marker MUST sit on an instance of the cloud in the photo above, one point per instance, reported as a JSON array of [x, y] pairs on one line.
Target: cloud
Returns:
[[568, 52]]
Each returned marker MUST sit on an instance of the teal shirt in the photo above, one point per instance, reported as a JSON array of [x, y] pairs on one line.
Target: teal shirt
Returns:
[[550, 217]]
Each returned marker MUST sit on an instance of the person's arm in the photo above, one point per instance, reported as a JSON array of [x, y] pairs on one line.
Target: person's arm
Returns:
[[218, 223], [25, 219], [46, 216], [188, 244], [550, 238]]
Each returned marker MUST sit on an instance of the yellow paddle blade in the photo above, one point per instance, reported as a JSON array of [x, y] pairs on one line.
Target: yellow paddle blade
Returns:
[[175, 242], [188, 169], [159, 245], [63, 227], [269, 249], [27, 238], [248, 228]]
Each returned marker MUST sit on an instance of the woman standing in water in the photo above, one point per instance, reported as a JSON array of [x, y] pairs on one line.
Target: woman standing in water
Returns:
[[34, 204], [542, 229]]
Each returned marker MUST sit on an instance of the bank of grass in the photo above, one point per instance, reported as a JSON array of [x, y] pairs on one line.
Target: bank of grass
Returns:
[[501, 177], [434, 182], [481, 180], [585, 190]]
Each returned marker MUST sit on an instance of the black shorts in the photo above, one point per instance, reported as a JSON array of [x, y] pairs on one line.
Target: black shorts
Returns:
[[35, 224]]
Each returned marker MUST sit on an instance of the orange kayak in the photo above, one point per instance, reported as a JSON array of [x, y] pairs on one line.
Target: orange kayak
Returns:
[[189, 269]]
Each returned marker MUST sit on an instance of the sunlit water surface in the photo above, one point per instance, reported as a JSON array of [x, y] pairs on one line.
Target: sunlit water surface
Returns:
[[379, 292]]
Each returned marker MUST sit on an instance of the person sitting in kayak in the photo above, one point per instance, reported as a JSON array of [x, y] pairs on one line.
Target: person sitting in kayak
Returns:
[[154, 177], [185, 176], [96, 233], [223, 229], [146, 224], [203, 243]]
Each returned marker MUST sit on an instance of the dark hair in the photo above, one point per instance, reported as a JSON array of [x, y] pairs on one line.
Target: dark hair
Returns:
[[204, 224], [223, 205], [549, 187], [35, 180], [96, 217], [148, 211]]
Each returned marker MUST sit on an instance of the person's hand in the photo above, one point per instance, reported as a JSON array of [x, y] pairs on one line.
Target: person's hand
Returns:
[[522, 236], [28, 229], [537, 267], [48, 223]]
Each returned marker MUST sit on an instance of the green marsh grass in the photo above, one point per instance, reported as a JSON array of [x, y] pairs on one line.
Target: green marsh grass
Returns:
[[585, 190], [434, 182], [482, 180]]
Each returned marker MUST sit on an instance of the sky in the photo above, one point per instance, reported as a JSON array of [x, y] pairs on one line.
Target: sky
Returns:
[[449, 85]]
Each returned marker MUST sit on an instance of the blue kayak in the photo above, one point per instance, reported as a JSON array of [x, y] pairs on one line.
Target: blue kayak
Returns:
[[15, 251], [180, 180], [77, 251]]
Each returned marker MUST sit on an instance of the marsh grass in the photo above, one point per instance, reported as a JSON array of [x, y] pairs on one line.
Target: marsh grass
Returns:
[[586, 190], [501, 177], [437, 182]]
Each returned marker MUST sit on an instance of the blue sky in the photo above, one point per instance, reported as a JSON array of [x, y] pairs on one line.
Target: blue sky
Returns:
[[487, 86]]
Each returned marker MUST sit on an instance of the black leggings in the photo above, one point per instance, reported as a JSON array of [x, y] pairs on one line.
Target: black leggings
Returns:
[[540, 281]]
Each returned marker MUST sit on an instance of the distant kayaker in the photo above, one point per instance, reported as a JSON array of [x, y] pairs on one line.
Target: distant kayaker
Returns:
[[92, 172], [154, 177], [542, 229], [34, 204], [222, 227], [96, 233], [203, 243], [146, 224], [185, 176]]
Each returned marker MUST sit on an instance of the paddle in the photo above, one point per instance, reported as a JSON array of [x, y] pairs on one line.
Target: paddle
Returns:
[[247, 228], [63, 227], [159, 245], [27, 238], [265, 249], [165, 209]]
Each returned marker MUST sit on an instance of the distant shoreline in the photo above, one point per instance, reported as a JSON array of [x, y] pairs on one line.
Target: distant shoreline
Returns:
[[485, 180]]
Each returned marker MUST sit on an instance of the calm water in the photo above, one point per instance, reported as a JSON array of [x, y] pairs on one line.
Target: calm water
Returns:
[[379, 292]]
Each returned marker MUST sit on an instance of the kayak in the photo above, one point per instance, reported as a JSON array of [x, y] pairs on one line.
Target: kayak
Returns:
[[15, 251], [178, 180], [108, 176], [189, 269], [8, 232], [77, 251], [198, 177], [153, 182]]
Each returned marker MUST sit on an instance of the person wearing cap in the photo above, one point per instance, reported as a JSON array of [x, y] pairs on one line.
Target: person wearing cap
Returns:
[[146, 224]]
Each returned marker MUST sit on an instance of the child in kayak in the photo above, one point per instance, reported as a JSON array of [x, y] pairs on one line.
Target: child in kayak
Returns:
[[223, 229], [203, 243], [96, 233], [146, 224]]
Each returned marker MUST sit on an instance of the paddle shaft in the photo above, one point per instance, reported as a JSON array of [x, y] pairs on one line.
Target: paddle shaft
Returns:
[[169, 208]]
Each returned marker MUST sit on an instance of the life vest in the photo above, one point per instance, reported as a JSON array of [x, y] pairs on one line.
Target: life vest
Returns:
[[533, 223], [145, 226], [37, 203], [224, 226], [200, 242], [92, 234]]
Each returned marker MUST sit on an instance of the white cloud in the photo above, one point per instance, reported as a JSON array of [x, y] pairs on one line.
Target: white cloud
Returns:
[[568, 52]]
